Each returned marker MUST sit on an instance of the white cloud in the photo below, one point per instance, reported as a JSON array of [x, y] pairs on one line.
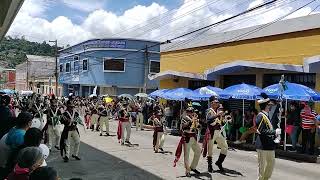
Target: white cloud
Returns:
[[148, 21], [35, 8], [85, 5]]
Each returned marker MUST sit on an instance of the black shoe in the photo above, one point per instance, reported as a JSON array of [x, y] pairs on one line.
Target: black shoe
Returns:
[[122, 144], [57, 147], [66, 159], [195, 171], [142, 129], [210, 169], [107, 134], [128, 142], [161, 149], [76, 157], [220, 161], [100, 134]]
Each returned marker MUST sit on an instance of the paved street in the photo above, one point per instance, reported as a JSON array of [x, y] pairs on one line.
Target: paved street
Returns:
[[103, 158]]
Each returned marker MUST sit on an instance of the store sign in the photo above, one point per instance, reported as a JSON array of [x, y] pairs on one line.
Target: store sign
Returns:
[[105, 44]]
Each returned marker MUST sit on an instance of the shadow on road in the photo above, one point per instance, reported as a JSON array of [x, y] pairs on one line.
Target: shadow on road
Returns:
[[229, 172], [97, 165]]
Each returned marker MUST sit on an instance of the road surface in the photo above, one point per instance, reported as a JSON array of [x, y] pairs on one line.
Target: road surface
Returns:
[[104, 158]]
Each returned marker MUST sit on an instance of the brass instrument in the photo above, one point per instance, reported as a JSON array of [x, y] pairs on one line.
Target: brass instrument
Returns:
[[195, 122]]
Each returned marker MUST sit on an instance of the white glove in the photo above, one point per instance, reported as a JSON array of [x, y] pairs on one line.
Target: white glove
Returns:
[[278, 131]]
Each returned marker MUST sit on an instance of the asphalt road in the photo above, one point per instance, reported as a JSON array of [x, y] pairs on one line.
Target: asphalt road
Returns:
[[104, 158]]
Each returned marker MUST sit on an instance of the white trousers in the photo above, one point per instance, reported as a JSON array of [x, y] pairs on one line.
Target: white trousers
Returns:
[[126, 126], [54, 134], [266, 160], [221, 141], [73, 138], [139, 121], [192, 144], [104, 120], [160, 141]]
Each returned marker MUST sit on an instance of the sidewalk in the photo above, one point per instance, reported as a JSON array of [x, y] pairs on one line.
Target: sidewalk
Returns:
[[294, 156]]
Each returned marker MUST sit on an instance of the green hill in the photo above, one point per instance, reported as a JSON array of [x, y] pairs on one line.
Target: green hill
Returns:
[[13, 51]]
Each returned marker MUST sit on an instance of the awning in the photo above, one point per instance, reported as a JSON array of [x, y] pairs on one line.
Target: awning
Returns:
[[239, 66], [312, 64], [175, 74]]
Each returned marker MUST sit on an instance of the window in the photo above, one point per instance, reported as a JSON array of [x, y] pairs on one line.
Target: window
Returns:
[[76, 58], [76, 66], [113, 65], [154, 67], [68, 67], [61, 67], [85, 65]]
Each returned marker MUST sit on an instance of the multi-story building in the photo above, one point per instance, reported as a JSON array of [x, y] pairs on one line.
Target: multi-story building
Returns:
[[7, 78], [37, 74], [115, 66]]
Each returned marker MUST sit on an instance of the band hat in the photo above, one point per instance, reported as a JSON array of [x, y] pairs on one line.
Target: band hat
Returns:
[[213, 99], [262, 101]]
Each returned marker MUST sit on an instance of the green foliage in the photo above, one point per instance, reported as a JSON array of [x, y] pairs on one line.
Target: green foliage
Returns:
[[13, 51]]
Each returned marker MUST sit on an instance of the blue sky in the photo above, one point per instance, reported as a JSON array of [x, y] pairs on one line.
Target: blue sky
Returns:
[[73, 21], [118, 7]]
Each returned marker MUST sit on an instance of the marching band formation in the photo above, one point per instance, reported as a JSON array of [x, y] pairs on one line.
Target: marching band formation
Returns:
[[59, 120]]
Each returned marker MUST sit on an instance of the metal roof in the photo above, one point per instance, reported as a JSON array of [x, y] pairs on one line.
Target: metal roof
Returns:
[[282, 27]]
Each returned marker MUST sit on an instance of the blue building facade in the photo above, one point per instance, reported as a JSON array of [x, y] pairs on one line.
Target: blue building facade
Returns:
[[115, 66]]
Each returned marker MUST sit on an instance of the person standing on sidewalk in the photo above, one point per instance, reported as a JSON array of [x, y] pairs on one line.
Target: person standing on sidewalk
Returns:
[[265, 144], [294, 120], [308, 117]]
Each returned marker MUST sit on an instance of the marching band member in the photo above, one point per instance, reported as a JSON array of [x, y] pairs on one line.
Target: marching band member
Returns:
[[70, 134], [265, 142], [158, 135], [94, 119], [124, 125], [214, 133], [189, 141], [104, 119], [53, 123]]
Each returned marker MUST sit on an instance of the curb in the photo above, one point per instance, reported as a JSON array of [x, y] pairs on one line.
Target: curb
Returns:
[[293, 156]]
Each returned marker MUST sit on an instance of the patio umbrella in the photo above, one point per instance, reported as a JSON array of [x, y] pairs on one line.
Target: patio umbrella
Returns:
[[241, 91], [158, 93], [142, 95], [108, 99], [205, 93], [178, 94], [7, 91], [292, 91], [129, 96]]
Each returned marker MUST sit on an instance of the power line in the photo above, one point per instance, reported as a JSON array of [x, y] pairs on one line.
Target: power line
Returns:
[[244, 34], [243, 19]]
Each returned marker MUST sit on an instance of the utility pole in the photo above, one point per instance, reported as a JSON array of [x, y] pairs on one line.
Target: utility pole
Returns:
[[146, 70], [27, 74], [56, 69]]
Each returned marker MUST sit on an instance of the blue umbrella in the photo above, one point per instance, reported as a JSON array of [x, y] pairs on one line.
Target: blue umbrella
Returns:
[[7, 91], [205, 93], [241, 91], [292, 91], [158, 93], [178, 94]]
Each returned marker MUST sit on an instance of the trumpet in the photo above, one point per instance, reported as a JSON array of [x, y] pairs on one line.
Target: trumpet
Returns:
[[195, 122]]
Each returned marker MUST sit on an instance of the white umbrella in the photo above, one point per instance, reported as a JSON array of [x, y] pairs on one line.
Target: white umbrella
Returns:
[[142, 95], [126, 96]]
